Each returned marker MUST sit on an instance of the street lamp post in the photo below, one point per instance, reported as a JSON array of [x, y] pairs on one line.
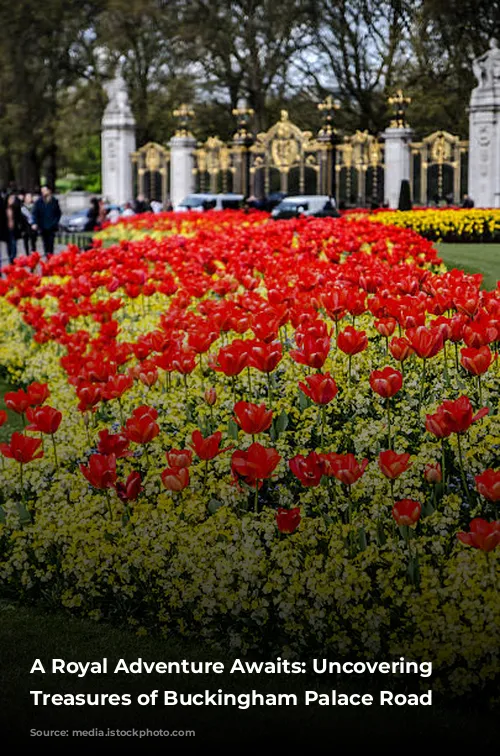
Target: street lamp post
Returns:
[[243, 140], [328, 139]]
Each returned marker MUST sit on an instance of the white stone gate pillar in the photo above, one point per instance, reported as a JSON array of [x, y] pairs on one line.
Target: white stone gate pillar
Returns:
[[182, 147], [397, 160], [117, 144], [484, 130], [182, 177]]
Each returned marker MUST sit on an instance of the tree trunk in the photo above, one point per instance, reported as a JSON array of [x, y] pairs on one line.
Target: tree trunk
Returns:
[[51, 171], [29, 171]]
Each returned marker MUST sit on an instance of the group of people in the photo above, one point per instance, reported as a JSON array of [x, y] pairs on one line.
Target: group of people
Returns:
[[26, 216]]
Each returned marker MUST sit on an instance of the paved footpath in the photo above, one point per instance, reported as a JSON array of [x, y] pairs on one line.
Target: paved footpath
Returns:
[[4, 259]]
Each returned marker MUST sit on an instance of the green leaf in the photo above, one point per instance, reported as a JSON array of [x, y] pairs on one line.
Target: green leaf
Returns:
[[362, 539], [281, 423], [214, 505], [2, 516], [304, 401], [232, 429], [24, 515]]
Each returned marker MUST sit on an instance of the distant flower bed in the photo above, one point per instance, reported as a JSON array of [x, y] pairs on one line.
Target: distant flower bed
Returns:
[[275, 435], [446, 224]]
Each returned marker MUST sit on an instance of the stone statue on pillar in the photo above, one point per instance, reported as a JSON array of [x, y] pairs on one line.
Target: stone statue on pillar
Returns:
[[484, 129], [118, 142]]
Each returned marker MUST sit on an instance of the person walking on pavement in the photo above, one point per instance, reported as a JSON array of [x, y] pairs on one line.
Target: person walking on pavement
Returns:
[[46, 217], [14, 225], [29, 235]]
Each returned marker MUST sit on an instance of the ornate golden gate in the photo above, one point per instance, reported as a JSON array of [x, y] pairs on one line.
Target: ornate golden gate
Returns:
[[214, 166], [439, 168], [285, 159], [360, 169], [151, 171]]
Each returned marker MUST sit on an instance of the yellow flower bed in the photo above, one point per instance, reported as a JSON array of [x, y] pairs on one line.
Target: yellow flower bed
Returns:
[[446, 224]]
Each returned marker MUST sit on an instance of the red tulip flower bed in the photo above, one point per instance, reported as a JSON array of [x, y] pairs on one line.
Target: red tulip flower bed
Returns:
[[280, 433]]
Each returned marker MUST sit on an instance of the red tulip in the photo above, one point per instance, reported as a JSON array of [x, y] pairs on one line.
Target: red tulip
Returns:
[[393, 464], [252, 418], [386, 382], [288, 520], [17, 401], [386, 326], [130, 489], [437, 425], [255, 464], [320, 388], [101, 470], [488, 484], [175, 478], [351, 341], [265, 357], [309, 470], [313, 351], [458, 414], [345, 467], [117, 385], [179, 457], [476, 361], [89, 395], [231, 360], [3, 417], [22, 448], [43, 419], [209, 447], [37, 393], [142, 427], [407, 512], [113, 443], [425, 342], [433, 473], [210, 396], [400, 348], [483, 535]]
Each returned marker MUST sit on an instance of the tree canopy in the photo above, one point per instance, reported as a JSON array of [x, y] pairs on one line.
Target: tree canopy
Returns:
[[55, 58]]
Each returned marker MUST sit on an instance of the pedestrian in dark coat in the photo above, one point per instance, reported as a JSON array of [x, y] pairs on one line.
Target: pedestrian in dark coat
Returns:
[[14, 220], [46, 217]]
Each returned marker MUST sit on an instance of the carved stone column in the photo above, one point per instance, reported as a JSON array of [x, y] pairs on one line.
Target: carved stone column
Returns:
[[484, 130], [117, 144]]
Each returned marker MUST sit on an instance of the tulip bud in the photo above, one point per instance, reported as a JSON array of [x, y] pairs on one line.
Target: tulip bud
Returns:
[[432, 473], [210, 396], [407, 512]]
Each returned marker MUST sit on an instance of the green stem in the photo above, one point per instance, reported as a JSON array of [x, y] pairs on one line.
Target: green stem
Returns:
[[108, 502], [388, 407], [205, 475], [23, 496], [256, 498], [443, 463], [422, 387], [270, 388], [249, 384], [323, 421], [120, 408], [462, 469], [55, 451], [480, 390]]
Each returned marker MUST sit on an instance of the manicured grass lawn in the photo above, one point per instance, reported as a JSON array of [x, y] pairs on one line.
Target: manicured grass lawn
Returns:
[[474, 258], [27, 634]]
